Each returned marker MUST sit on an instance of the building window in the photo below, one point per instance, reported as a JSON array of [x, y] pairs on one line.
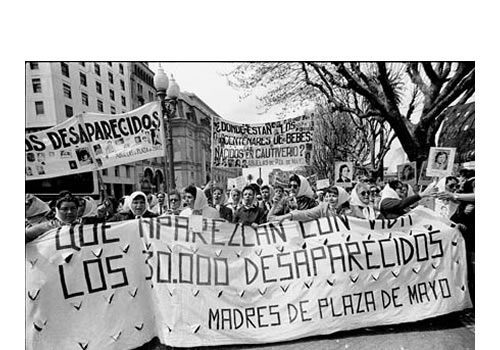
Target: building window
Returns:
[[37, 85], [117, 171], [122, 85], [69, 111], [100, 106], [110, 77], [97, 69], [124, 101], [139, 88], [98, 87], [83, 79], [34, 65], [151, 96], [127, 171], [39, 108], [113, 110], [82, 64], [111, 95], [110, 64], [67, 90], [105, 172], [64, 69], [121, 68], [85, 99]]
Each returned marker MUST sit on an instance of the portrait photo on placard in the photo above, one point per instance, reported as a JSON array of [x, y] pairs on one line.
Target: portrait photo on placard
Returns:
[[407, 173], [440, 161], [83, 156], [423, 179], [343, 174]]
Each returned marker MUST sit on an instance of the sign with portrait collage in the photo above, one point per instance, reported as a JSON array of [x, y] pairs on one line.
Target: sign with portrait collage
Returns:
[[283, 142], [92, 141]]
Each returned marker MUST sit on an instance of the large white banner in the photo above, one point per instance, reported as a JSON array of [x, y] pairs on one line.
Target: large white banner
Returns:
[[283, 142], [91, 141], [115, 286]]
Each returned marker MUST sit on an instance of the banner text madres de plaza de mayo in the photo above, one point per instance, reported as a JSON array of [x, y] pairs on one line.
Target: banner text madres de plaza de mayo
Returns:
[[92, 141], [117, 285], [283, 142]]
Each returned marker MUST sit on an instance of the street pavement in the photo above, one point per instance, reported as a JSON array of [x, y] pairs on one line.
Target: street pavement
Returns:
[[454, 331]]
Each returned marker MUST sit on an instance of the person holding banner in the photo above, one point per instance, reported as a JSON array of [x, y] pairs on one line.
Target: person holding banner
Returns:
[[225, 212], [66, 214], [249, 213], [394, 202], [135, 206], [360, 202], [301, 193], [336, 202], [197, 204]]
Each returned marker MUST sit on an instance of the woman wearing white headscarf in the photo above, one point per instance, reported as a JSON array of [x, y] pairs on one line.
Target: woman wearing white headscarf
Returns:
[[135, 206], [301, 193], [335, 203], [197, 204], [88, 213], [360, 202]]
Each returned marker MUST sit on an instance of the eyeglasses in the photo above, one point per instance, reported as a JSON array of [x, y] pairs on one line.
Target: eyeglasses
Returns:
[[364, 193], [293, 186], [174, 200]]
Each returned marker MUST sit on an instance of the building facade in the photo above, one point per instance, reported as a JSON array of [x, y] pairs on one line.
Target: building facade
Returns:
[[56, 91]]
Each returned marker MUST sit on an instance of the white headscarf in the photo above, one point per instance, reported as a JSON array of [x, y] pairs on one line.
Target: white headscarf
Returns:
[[343, 196], [388, 192], [128, 201], [36, 207], [90, 207], [305, 188], [367, 209], [201, 204]]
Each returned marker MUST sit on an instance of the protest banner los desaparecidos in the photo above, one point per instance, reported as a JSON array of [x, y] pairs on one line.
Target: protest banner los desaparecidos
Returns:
[[116, 285], [91, 141], [283, 142]]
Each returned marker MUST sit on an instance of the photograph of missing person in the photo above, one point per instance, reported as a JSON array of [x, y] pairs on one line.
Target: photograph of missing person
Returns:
[[99, 162], [137, 139], [407, 173], [423, 179], [40, 170], [97, 150], [30, 157], [119, 141], [343, 174], [40, 157], [29, 171], [83, 156], [65, 154], [52, 154], [440, 161], [73, 165]]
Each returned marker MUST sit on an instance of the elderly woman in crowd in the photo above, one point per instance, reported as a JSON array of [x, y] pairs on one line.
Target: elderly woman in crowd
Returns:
[[301, 193], [336, 202], [395, 202], [88, 213], [135, 206], [175, 202], [66, 214], [197, 204], [361, 207], [234, 201], [249, 213]]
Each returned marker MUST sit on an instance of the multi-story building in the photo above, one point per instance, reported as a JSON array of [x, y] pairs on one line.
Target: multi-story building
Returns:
[[56, 91]]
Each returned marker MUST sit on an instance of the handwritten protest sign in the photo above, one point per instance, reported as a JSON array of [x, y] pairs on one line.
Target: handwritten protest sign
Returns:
[[284, 142], [115, 286], [91, 141]]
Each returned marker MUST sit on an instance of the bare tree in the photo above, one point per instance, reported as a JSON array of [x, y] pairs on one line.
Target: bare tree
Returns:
[[409, 98]]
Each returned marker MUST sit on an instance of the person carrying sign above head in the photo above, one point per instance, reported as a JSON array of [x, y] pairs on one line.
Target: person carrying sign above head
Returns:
[[344, 174], [361, 207], [249, 213], [197, 204], [135, 206], [301, 193], [66, 214], [336, 203], [394, 201], [225, 212]]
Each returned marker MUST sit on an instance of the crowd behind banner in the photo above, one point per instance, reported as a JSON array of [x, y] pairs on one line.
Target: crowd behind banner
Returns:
[[452, 197]]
